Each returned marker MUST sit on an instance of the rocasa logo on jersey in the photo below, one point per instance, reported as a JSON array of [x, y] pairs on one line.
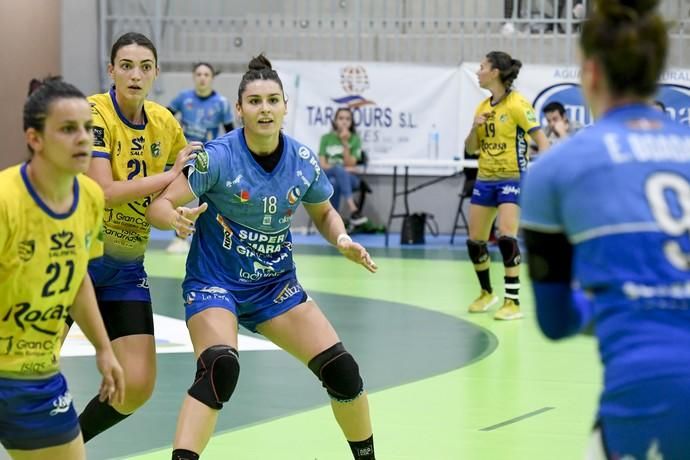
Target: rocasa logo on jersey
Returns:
[[23, 315], [568, 94]]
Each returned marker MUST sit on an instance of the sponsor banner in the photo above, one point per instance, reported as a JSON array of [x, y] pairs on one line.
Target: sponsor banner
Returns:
[[542, 84], [397, 108]]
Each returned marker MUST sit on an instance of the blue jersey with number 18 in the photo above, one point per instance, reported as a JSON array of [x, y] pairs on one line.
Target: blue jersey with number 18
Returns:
[[620, 192], [243, 239]]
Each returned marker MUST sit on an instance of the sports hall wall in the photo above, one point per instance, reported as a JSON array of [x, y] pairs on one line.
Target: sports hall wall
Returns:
[[30, 37]]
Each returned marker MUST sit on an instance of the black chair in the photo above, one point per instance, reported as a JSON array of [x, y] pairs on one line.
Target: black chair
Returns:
[[466, 192]]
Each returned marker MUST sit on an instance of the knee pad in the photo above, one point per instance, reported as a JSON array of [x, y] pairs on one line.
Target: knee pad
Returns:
[[339, 373], [478, 251], [217, 372], [509, 250]]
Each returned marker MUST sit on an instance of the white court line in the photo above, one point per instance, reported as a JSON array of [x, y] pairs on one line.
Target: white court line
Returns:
[[171, 337]]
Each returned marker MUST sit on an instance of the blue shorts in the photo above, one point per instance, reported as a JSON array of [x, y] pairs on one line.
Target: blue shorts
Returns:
[[252, 306], [35, 414], [651, 416], [115, 282], [495, 193]]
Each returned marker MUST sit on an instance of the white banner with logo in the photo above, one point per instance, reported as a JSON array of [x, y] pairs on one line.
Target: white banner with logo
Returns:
[[544, 84], [396, 107]]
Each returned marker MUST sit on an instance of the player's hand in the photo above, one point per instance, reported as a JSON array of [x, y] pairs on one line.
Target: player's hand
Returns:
[[113, 383], [357, 253], [184, 221], [344, 134], [481, 119], [187, 153]]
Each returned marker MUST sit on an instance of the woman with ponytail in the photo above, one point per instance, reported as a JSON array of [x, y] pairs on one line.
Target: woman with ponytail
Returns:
[[607, 228], [498, 135], [240, 268]]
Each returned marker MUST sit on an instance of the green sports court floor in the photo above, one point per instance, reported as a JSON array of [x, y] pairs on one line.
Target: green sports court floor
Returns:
[[443, 384]]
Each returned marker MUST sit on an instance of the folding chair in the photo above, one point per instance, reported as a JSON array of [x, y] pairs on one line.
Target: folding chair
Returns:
[[466, 192]]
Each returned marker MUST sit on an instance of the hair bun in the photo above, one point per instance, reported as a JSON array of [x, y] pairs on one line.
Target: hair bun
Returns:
[[260, 62], [617, 8]]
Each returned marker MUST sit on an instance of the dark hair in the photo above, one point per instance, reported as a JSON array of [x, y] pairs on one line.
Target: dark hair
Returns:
[[508, 68], [259, 69], [630, 40], [132, 38], [352, 123], [45, 92], [553, 107], [206, 64], [42, 94]]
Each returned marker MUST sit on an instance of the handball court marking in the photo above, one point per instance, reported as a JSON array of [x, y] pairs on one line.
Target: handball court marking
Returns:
[[517, 419]]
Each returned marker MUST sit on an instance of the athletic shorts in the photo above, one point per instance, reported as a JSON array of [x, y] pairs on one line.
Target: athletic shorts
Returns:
[[36, 414], [644, 421], [126, 282], [252, 306], [495, 193]]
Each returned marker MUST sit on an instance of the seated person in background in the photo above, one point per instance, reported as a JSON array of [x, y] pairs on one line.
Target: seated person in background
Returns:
[[558, 127], [340, 150]]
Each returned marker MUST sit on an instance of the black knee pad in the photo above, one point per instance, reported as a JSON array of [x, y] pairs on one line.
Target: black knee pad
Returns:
[[509, 250], [478, 251], [217, 372], [339, 373]]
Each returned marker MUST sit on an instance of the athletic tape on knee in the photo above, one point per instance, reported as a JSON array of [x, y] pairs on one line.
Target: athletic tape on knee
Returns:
[[217, 372], [478, 251], [509, 250], [338, 372]]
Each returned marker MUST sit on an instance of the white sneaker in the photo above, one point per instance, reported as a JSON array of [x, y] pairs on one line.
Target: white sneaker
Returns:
[[178, 246]]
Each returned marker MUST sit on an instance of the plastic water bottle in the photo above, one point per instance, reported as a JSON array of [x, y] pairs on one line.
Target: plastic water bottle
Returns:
[[432, 143]]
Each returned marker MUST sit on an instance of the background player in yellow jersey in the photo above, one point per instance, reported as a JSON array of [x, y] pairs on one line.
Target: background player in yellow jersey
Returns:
[[134, 140], [50, 221], [498, 134]]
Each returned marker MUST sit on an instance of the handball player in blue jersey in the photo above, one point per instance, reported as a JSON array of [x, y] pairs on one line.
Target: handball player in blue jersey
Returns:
[[607, 227], [240, 267], [202, 112]]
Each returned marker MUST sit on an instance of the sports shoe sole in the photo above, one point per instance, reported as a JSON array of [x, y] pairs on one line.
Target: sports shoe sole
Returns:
[[493, 302]]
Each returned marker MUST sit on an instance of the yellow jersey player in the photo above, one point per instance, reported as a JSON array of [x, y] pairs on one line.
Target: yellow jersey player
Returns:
[[134, 140], [50, 216], [502, 123]]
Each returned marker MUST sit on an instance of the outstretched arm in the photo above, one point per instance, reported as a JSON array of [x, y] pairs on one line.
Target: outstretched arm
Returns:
[[166, 211], [120, 192], [331, 226]]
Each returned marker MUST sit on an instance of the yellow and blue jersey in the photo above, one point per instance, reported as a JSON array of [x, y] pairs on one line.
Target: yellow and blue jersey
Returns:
[[45, 257], [503, 144], [133, 151]]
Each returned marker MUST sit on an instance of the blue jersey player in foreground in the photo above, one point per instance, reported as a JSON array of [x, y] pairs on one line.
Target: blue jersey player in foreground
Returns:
[[50, 226], [240, 267], [607, 228]]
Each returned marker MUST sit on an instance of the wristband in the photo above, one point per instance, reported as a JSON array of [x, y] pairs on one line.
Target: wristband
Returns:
[[342, 237]]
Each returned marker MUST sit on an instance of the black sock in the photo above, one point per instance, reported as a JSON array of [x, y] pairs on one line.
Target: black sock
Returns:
[[512, 284], [97, 417], [363, 450], [184, 454], [484, 280]]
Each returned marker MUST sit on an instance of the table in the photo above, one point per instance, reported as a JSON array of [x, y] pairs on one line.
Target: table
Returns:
[[438, 170]]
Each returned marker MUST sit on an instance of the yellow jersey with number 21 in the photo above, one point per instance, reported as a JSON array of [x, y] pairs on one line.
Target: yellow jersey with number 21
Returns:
[[133, 151], [43, 264]]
